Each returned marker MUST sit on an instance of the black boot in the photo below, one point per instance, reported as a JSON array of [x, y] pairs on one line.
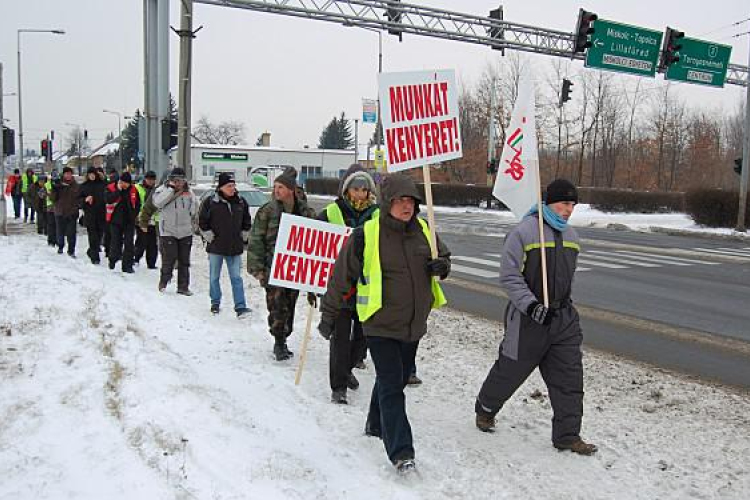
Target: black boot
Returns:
[[281, 351]]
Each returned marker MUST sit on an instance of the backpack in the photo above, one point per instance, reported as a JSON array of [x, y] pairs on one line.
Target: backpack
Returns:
[[16, 191]]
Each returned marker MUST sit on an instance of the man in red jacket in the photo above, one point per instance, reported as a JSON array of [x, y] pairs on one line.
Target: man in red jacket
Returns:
[[13, 189], [123, 205]]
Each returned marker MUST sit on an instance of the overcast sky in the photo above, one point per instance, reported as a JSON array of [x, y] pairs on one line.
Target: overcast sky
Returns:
[[285, 75]]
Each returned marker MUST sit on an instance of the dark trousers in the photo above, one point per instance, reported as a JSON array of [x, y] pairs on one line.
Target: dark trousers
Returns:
[[51, 229], [95, 230], [28, 208], [121, 245], [176, 251], [280, 303], [41, 222], [17, 205], [556, 350], [393, 362], [146, 242], [65, 228], [345, 348], [107, 237]]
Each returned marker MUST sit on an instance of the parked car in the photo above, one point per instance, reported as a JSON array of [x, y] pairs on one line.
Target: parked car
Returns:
[[254, 197]]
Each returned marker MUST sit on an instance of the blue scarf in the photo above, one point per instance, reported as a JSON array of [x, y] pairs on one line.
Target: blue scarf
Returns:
[[550, 217]]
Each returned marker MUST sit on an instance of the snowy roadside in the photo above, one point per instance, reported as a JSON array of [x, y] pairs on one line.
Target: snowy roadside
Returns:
[[109, 389]]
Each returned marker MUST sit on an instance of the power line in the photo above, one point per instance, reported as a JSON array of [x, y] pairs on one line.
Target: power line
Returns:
[[726, 26]]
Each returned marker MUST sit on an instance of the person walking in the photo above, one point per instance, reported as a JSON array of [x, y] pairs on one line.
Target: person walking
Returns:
[[93, 201], [146, 238], [354, 206], [390, 260], [122, 207], [224, 222], [547, 337], [38, 195], [27, 180], [177, 207], [49, 206], [13, 189], [260, 251], [65, 198]]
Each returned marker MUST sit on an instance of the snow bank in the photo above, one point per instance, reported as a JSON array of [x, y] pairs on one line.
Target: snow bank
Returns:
[[109, 389]]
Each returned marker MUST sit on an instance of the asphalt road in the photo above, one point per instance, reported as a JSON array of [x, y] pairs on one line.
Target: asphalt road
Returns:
[[677, 302]]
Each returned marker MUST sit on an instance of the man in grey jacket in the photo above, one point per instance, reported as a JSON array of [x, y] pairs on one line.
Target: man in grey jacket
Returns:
[[538, 336], [177, 206]]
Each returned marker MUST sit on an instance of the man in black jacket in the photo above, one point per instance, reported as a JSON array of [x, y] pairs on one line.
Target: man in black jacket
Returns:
[[123, 205], [224, 221], [65, 198], [91, 195]]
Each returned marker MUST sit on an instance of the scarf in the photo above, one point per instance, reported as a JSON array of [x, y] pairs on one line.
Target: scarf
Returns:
[[550, 217], [360, 206]]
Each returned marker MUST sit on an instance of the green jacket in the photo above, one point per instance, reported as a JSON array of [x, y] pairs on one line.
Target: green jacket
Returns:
[[264, 232]]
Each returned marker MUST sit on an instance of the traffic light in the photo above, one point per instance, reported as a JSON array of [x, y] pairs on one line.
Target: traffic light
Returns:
[[497, 33], [672, 45], [492, 166], [584, 29], [738, 166], [565, 92], [168, 134], [393, 14], [45, 149], [9, 141]]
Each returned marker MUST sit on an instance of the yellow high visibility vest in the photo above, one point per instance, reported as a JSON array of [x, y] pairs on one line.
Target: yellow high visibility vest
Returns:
[[370, 287], [333, 212], [48, 187]]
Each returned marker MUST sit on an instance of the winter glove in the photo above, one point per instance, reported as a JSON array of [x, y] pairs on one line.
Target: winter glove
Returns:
[[326, 328], [245, 237], [439, 267], [208, 236], [312, 299], [539, 313]]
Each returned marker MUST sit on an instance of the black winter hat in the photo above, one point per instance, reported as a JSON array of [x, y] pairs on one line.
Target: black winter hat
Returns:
[[224, 179], [561, 190], [125, 177], [177, 173], [150, 175], [91, 170], [67, 169], [288, 178]]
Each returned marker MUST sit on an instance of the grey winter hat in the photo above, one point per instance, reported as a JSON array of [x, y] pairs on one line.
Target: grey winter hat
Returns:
[[288, 178], [359, 180], [177, 173]]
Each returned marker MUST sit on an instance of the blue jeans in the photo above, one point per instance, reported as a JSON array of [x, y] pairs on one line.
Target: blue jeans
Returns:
[[393, 362], [234, 265]]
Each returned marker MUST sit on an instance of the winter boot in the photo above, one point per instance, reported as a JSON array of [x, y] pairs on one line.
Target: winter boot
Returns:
[[339, 397], [405, 466], [215, 308], [281, 351], [578, 446], [485, 422], [185, 291], [352, 382], [243, 313], [414, 380]]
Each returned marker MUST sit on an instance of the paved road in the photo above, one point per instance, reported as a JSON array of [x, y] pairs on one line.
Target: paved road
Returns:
[[677, 302]]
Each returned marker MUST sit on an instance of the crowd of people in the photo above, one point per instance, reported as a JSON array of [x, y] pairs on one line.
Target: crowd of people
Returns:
[[384, 284]]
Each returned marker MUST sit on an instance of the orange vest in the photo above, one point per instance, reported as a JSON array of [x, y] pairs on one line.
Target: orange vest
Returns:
[[112, 206]]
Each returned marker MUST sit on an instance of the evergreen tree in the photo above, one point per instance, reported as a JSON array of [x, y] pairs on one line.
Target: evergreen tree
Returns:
[[337, 134], [129, 140]]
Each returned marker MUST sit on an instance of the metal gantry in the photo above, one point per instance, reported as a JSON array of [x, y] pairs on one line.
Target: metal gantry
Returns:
[[437, 23]]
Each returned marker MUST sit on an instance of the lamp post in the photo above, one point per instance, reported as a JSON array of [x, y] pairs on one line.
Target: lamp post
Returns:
[[119, 132], [20, 112]]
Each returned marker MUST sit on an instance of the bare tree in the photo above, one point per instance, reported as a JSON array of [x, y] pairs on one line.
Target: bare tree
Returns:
[[227, 132]]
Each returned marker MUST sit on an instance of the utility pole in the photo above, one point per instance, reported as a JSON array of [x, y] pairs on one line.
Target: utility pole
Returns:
[[491, 134], [356, 139], [3, 206], [741, 223], [186, 35]]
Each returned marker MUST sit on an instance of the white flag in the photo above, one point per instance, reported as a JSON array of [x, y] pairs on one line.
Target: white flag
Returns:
[[516, 184]]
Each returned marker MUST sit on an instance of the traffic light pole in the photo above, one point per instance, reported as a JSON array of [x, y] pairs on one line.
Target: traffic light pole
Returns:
[[186, 35], [3, 207], [741, 223]]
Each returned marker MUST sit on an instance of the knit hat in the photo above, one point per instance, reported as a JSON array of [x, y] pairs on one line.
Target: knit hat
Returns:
[[150, 175], [177, 173], [91, 170], [224, 179], [561, 190], [357, 177], [288, 178], [125, 177], [67, 169]]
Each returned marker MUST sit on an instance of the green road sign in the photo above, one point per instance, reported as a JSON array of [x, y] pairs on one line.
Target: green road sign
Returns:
[[700, 62], [624, 48]]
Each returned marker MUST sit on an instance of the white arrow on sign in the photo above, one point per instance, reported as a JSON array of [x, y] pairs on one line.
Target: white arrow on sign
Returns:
[[598, 43]]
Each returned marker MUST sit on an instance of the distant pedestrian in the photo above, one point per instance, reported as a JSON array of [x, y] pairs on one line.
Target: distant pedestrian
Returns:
[[123, 205], [38, 195], [27, 180], [224, 222], [146, 237], [49, 205], [65, 198], [536, 335], [13, 188], [93, 201]]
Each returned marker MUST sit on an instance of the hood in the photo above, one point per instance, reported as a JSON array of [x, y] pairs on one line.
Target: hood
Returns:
[[395, 186], [355, 170]]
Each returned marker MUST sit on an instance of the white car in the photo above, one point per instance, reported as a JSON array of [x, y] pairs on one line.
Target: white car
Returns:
[[254, 197]]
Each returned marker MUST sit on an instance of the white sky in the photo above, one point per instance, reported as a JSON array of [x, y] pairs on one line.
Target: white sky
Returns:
[[285, 75]]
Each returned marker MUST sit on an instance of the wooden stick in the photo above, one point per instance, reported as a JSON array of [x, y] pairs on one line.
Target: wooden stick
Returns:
[[430, 210], [305, 340], [543, 250]]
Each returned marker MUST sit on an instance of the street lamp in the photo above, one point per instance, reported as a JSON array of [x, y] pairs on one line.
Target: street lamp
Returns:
[[119, 129], [20, 113]]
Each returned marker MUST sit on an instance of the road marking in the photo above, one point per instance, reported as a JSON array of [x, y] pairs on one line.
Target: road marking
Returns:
[[476, 260], [608, 256], [733, 253], [741, 251], [495, 255], [481, 273], [600, 264], [677, 261]]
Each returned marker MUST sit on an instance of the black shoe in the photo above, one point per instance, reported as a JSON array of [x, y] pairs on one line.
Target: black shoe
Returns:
[[361, 365], [128, 270], [111, 264], [281, 351], [243, 313], [414, 380], [215, 309], [186, 292], [72, 255], [405, 466], [162, 287], [60, 251], [339, 397], [352, 382]]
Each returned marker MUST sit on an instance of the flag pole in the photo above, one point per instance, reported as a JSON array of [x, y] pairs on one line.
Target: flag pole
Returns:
[[542, 249], [303, 349], [430, 210]]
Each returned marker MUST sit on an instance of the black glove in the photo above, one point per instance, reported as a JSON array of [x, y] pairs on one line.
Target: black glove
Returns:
[[326, 328], [312, 299], [439, 267], [539, 313]]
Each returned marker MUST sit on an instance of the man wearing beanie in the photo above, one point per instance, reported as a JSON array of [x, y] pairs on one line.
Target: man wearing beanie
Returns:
[[92, 194], [145, 236], [177, 206], [538, 336], [224, 222], [123, 205], [65, 198], [260, 251], [354, 206]]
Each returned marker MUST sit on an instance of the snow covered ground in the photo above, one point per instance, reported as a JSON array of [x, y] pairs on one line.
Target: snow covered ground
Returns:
[[111, 390]]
